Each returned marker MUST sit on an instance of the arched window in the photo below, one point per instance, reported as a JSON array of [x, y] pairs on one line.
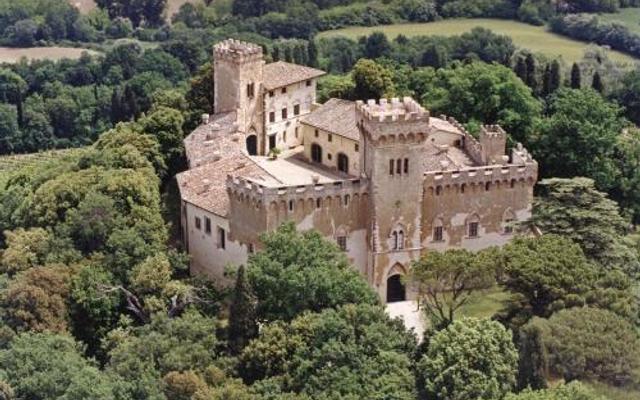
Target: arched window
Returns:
[[508, 222], [316, 153], [399, 166], [397, 238], [438, 190], [438, 230], [343, 163], [406, 165], [473, 226]]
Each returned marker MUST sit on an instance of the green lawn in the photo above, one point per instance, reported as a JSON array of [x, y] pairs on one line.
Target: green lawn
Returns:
[[484, 304], [615, 393], [534, 38], [630, 17]]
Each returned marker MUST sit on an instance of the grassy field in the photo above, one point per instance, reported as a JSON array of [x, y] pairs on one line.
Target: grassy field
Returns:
[[615, 393], [172, 5], [630, 17], [534, 38], [14, 54]]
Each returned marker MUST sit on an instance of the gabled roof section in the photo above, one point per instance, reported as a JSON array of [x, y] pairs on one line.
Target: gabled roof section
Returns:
[[336, 116], [280, 74]]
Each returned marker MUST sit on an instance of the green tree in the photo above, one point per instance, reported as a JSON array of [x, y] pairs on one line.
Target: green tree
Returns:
[[302, 271], [9, 131], [570, 391], [485, 93], [46, 366], [576, 76], [578, 137], [372, 80], [597, 84], [353, 351], [533, 361], [589, 343], [25, 249], [165, 124], [470, 359], [446, 281], [556, 76], [376, 46], [531, 77], [574, 209], [242, 314]]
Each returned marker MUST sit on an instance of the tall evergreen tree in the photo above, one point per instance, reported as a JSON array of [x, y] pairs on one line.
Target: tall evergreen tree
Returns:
[[242, 314], [531, 78], [556, 76], [288, 54], [597, 84], [312, 50], [275, 54], [130, 104], [521, 69], [576, 76], [533, 362], [546, 81]]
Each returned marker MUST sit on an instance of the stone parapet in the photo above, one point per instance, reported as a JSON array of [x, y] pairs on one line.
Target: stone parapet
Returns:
[[237, 51], [239, 186], [478, 175], [392, 117]]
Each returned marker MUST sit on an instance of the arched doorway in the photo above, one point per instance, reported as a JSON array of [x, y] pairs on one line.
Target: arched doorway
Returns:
[[316, 153], [252, 145], [343, 163], [395, 289]]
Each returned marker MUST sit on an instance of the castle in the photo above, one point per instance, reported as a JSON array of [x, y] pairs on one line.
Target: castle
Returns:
[[384, 179]]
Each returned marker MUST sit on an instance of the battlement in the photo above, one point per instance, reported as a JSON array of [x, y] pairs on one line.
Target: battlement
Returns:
[[391, 110], [492, 131], [481, 175], [237, 51], [246, 188]]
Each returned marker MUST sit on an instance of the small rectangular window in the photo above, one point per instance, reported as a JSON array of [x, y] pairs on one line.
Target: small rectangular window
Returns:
[[296, 132], [222, 238], [391, 164], [284, 90], [296, 109], [271, 93], [207, 225], [357, 147], [290, 205], [316, 133], [342, 242], [406, 165], [284, 113], [272, 116], [329, 137], [250, 90], [309, 82], [399, 167], [318, 203], [473, 229], [198, 223], [437, 234]]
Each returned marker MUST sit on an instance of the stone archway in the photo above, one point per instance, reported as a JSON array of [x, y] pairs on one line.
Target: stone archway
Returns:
[[316, 153], [252, 145], [396, 290], [343, 163]]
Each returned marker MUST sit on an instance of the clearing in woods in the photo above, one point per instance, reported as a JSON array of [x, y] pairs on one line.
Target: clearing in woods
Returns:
[[534, 38], [14, 54]]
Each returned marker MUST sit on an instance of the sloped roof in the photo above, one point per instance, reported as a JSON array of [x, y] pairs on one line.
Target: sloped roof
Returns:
[[336, 116], [280, 73], [206, 186]]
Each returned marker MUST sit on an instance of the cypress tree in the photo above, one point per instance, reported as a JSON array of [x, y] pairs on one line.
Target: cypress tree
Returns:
[[546, 81], [531, 79], [130, 104], [242, 314], [116, 106], [276, 52], [521, 69], [597, 84], [288, 56], [576, 78], [312, 49], [556, 76], [533, 362]]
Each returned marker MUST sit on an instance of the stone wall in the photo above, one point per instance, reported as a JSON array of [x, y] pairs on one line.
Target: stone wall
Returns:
[[331, 149]]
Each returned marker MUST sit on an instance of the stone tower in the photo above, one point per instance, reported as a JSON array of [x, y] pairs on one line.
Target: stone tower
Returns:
[[238, 68], [393, 141]]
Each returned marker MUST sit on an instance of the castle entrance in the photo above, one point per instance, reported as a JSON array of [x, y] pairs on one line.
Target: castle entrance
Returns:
[[343, 163], [395, 289], [252, 145], [316, 153]]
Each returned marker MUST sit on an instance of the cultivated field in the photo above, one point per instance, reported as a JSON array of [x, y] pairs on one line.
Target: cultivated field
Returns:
[[14, 54], [534, 38], [172, 5], [8, 163], [630, 17]]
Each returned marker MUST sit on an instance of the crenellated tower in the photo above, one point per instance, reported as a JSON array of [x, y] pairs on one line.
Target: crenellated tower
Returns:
[[238, 76], [393, 141]]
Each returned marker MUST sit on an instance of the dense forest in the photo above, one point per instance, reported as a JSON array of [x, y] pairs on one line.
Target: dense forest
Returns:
[[96, 300]]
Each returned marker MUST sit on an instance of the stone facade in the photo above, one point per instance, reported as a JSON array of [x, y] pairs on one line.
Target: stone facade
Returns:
[[384, 179]]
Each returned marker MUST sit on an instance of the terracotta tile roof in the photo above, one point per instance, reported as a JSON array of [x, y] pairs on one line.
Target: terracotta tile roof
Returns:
[[214, 140], [280, 73], [206, 186], [436, 156], [336, 116]]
